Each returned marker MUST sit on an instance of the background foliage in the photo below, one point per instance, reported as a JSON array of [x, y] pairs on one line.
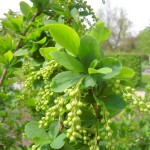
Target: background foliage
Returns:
[[132, 61]]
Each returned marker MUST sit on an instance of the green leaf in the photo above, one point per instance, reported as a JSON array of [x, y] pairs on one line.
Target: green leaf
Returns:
[[61, 19], [42, 41], [32, 130], [94, 63], [65, 36], [114, 102], [41, 5], [64, 80], [42, 140], [104, 70], [6, 43], [88, 50], [67, 61], [34, 35], [126, 73], [75, 14], [21, 52], [54, 129], [25, 8], [3, 96], [112, 63], [14, 23], [3, 131], [58, 142], [58, 9], [68, 146], [89, 81], [100, 32], [87, 117], [34, 48], [45, 52], [2, 60], [8, 56]]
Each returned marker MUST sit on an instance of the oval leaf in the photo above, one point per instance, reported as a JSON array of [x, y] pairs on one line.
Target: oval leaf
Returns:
[[88, 50], [32, 130], [64, 80], [42, 41], [21, 52], [67, 61], [100, 32], [54, 129], [25, 8], [112, 63], [114, 103], [104, 70], [65, 36], [8, 56], [58, 142], [75, 14], [89, 81], [45, 52], [126, 73]]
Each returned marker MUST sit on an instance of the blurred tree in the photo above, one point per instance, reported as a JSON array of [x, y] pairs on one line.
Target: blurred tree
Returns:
[[115, 19], [143, 41], [128, 44]]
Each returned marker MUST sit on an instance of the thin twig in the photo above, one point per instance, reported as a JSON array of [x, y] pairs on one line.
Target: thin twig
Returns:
[[95, 107], [26, 30], [60, 125], [3, 76]]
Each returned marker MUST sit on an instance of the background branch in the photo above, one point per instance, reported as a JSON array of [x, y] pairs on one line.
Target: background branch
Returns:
[[3, 76]]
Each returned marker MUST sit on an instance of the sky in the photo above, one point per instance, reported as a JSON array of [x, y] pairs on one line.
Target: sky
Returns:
[[138, 11]]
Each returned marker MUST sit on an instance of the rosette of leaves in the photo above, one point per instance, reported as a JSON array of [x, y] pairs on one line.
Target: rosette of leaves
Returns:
[[86, 70]]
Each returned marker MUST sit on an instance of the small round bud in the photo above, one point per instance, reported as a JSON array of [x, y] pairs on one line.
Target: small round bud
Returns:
[[72, 139], [70, 114], [70, 123], [68, 135], [135, 102], [98, 138], [106, 137], [145, 110], [78, 127], [109, 121], [107, 128], [103, 120], [65, 122], [128, 88], [117, 92], [71, 93], [117, 81], [79, 112], [85, 138], [116, 85], [148, 106], [80, 104], [69, 130], [74, 103], [129, 96], [84, 131], [109, 134], [68, 106]]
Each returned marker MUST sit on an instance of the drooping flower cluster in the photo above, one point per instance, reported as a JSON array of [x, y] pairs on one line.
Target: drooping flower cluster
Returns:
[[44, 73]]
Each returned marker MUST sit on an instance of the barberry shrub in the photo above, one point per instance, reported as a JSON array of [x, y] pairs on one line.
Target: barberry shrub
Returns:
[[81, 92]]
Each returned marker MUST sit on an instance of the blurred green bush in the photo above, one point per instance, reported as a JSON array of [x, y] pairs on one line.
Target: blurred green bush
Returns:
[[132, 61]]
